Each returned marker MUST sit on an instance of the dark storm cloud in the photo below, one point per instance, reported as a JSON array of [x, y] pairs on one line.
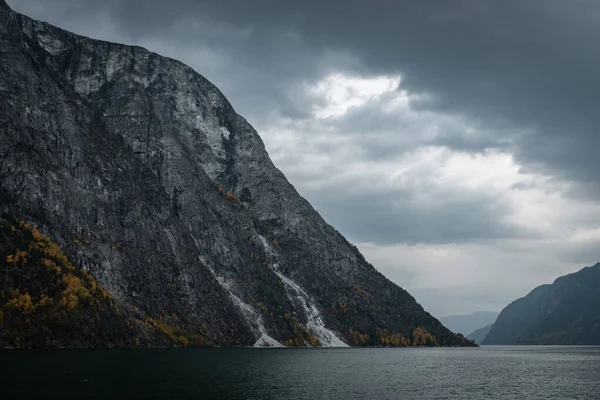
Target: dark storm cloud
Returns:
[[528, 64], [387, 219], [522, 72]]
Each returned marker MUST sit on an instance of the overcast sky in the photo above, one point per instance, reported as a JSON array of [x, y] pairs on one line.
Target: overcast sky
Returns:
[[456, 143]]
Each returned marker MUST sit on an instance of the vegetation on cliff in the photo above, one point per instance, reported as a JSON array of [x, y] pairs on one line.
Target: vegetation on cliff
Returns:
[[46, 301]]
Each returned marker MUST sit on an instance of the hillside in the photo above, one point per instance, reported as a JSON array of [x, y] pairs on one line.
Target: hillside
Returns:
[[479, 335], [140, 171], [565, 312]]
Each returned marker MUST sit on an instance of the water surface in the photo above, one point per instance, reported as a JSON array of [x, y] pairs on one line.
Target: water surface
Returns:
[[497, 372]]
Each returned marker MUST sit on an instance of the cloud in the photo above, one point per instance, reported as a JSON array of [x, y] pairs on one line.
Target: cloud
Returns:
[[472, 277], [524, 67], [456, 141], [393, 182], [340, 93]]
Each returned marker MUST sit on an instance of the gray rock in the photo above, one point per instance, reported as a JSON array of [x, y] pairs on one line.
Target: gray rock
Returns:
[[182, 211]]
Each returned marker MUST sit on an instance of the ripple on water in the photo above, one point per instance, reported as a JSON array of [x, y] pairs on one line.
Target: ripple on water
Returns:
[[488, 372]]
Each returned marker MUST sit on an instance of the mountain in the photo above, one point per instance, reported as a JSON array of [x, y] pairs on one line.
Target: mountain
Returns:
[[138, 208], [565, 312], [479, 335], [466, 324]]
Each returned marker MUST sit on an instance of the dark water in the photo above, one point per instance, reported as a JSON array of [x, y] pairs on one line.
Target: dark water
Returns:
[[488, 372]]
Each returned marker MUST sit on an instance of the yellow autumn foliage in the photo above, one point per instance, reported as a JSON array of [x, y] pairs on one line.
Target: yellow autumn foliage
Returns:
[[392, 339], [357, 338], [21, 302], [54, 259], [227, 194], [172, 332], [423, 338]]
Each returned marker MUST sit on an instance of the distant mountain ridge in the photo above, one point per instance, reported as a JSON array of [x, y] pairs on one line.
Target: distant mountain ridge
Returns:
[[479, 335], [466, 324], [565, 312]]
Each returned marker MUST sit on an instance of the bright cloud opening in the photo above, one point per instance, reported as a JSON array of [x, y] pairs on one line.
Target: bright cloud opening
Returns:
[[427, 213], [340, 92]]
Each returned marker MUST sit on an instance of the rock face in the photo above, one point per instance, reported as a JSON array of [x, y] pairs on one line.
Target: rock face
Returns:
[[566, 312], [140, 170]]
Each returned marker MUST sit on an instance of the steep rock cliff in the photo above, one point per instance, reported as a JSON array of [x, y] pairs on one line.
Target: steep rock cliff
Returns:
[[144, 175]]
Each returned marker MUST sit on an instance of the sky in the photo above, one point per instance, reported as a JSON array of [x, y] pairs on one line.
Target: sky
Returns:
[[455, 143]]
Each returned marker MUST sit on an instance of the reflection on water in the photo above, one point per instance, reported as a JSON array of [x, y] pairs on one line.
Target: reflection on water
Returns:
[[487, 372]]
